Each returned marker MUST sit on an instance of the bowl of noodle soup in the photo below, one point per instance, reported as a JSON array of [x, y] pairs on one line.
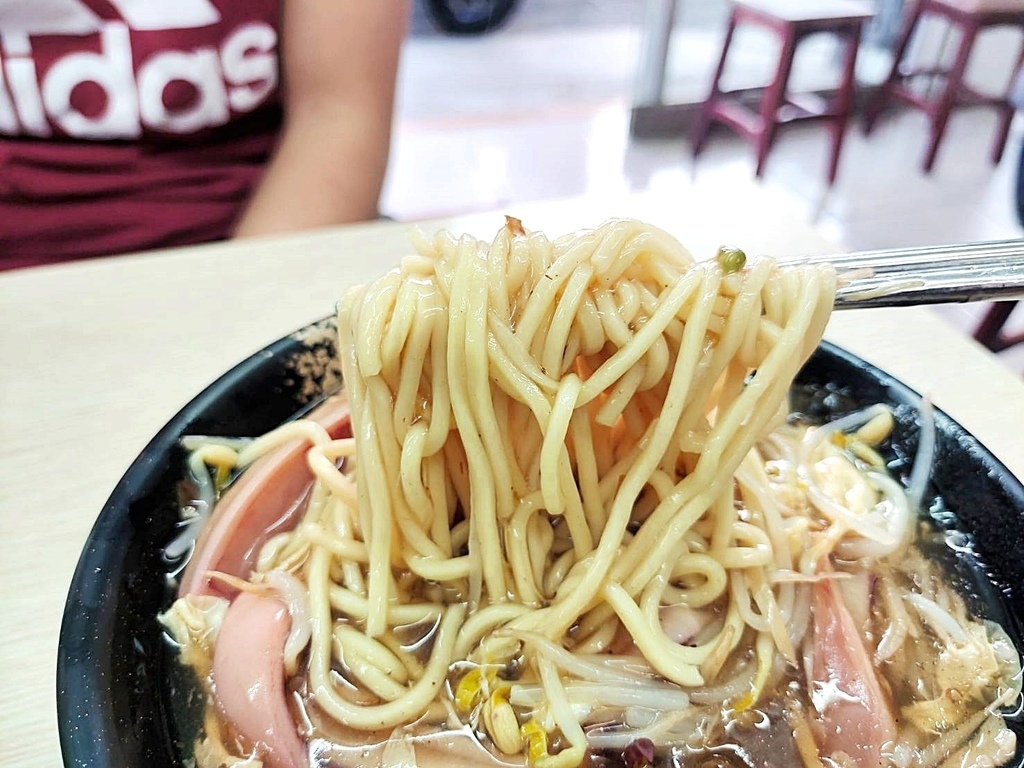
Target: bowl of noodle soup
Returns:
[[553, 661]]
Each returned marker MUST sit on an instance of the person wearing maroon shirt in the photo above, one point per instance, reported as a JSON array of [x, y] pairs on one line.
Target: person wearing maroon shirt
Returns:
[[128, 125]]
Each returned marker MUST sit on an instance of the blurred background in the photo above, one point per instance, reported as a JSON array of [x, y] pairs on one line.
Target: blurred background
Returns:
[[572, 97]]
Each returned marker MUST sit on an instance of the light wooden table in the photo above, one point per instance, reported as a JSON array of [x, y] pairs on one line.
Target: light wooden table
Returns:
[[97, 356]]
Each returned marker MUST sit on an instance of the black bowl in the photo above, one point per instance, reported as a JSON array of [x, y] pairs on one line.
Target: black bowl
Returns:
[[122, 702]]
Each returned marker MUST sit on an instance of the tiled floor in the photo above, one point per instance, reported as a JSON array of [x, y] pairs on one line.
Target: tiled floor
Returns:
[[531, 114]]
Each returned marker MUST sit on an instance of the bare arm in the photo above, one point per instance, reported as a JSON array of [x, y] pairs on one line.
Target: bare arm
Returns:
[[339, 61]]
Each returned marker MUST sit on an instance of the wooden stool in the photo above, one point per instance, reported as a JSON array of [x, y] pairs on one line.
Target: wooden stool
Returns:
[[969, 17], [791, 21]]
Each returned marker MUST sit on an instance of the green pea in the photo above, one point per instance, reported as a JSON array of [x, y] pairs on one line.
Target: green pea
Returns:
[[731, 259]]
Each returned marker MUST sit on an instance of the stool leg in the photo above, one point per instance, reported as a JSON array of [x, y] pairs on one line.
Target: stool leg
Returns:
[[989, 330], [1006, 111], [843, 102], [1002, 133], [881, 97], [703, 124], [940, 113], [772, 99]]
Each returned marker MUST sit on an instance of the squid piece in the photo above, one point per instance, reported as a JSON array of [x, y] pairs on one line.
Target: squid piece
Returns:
[[680, 622], [855, 715], [268, 498], [248, 679]]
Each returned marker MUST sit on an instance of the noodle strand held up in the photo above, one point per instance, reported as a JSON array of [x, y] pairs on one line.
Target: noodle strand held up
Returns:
[[513, 309]]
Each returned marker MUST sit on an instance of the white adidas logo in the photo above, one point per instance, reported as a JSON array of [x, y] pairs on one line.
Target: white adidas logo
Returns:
[[236, 77]]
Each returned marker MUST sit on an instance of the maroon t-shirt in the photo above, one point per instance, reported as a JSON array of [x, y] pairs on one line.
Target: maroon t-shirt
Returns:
[[131, 124]]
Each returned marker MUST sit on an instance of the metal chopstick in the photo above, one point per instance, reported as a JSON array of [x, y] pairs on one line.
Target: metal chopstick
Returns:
[[930, 275]]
